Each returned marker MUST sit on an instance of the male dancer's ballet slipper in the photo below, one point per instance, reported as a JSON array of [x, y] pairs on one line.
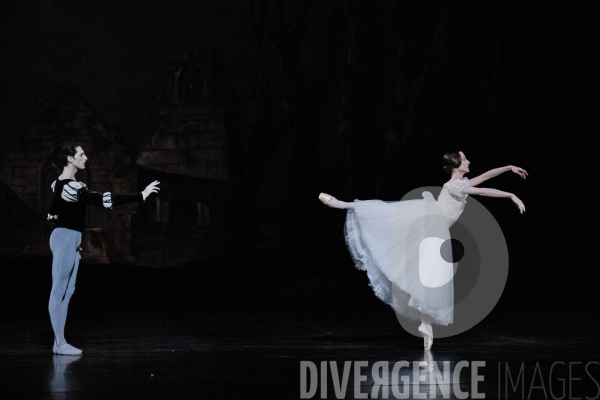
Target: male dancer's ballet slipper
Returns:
[[66, 350], [325, 198], [427, 337]]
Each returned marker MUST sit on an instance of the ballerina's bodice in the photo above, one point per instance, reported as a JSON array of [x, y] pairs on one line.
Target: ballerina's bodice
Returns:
[[451, 199]]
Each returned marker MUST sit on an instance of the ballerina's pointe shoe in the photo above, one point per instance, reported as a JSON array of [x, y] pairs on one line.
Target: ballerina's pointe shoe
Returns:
[[325, 198], [66, 350], [427, 337]]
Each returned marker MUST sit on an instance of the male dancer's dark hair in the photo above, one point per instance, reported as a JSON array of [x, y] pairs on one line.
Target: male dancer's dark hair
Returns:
[[59, 160]]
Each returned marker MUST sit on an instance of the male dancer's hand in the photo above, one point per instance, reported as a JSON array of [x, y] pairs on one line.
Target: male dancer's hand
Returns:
[[151, 188], [79, 249]]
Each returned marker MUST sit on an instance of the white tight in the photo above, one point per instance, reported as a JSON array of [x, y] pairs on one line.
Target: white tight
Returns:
[[65, 263]]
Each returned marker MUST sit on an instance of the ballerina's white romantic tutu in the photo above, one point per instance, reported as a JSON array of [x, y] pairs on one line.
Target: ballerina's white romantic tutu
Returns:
[[402, 247]]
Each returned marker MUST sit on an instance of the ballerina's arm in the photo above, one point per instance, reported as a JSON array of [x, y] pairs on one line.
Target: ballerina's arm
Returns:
[[495, 193], [497, 171]]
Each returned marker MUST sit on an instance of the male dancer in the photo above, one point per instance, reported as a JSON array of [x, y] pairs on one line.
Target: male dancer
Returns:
[[68, 210]]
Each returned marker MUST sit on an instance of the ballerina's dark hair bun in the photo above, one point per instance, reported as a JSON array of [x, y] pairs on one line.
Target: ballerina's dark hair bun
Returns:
[[452, 159]]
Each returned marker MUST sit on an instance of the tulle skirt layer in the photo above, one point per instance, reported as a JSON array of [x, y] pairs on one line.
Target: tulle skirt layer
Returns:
[[405, 250]]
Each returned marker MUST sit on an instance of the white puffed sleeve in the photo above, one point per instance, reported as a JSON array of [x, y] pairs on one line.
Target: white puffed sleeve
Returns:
[[455, 187], [428, 196], [71, 191]]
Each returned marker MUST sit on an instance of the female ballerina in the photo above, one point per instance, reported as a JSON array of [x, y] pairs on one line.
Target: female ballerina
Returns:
[[384, 239], [68, 211]]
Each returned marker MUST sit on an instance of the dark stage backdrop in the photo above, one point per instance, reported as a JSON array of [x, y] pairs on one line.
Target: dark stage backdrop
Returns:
[[356, 98]]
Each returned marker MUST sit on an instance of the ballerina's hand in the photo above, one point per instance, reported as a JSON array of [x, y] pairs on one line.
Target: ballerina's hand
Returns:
[[519, 171], [151, 188], [518, 203]]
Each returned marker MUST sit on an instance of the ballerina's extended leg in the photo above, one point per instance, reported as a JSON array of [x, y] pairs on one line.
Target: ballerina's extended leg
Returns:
[[335, 203], [426, 331]]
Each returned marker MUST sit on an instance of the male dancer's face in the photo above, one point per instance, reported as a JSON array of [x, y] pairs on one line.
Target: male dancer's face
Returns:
[[79, 159]]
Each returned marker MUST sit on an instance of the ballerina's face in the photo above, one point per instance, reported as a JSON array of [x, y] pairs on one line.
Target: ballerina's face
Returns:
[[464, 166]]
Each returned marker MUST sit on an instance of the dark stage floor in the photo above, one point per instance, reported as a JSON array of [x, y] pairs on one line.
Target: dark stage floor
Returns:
[[140, 349]]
